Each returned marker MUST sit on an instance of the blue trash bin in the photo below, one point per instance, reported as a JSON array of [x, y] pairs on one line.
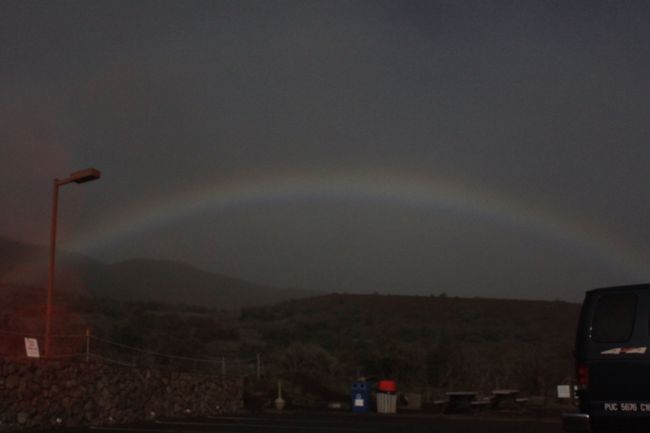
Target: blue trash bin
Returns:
[[360, 394]]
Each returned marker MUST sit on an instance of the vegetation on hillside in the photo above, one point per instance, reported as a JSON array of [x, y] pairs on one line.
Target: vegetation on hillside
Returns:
[[438, 343], [432, 343]]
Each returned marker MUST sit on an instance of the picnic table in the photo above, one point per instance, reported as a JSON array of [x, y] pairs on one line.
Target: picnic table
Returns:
[[460, 401], [482, 404], [500, 396]]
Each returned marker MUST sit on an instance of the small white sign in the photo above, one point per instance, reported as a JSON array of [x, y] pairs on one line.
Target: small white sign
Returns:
[[358, 401], [563, 391], [31, 347]]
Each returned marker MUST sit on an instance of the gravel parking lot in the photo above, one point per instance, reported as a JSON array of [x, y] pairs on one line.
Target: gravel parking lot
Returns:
[[342, 423]]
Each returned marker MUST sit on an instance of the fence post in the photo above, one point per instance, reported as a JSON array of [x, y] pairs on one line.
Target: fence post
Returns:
[[87, 344]]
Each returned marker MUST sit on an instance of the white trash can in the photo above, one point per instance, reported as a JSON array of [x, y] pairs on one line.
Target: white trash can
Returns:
[[386, 402], [387, 396]]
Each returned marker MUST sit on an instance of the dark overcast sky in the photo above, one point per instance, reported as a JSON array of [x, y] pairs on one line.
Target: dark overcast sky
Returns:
[[487, 148]]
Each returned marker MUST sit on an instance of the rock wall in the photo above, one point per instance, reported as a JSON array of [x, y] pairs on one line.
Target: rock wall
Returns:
[[40, 393]]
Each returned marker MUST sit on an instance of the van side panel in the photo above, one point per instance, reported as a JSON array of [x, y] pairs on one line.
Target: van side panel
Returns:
[[617, 362]]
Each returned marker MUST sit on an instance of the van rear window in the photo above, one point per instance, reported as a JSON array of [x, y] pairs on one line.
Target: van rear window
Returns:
[[614, 318]]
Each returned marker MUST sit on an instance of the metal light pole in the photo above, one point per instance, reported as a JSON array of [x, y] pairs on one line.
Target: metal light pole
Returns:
[[82, 176]]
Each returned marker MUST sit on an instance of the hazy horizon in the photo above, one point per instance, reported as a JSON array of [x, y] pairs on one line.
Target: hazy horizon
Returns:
[[64, 261]]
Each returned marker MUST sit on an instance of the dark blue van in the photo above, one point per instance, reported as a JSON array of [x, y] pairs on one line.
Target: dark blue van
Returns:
[[612, 355]]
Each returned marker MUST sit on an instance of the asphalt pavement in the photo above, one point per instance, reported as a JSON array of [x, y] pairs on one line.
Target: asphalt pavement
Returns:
[[340, 423]]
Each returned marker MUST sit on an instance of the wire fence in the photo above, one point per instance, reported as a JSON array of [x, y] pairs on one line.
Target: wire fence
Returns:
[[87, 347]]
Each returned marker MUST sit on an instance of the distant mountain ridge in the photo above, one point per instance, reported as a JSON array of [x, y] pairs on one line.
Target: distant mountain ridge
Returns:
[[25, 265]]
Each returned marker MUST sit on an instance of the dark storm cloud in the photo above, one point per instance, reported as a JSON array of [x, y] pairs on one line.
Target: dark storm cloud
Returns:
[[545, 102]]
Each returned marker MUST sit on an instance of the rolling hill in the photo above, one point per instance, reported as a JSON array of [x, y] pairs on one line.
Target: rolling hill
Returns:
[[428, 343], [25, 265]]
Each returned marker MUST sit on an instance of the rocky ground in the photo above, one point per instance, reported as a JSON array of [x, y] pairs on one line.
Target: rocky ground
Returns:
[[39, 393]]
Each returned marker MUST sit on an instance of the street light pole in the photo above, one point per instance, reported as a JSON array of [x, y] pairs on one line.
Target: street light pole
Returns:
[[82, 176], [50, 273]]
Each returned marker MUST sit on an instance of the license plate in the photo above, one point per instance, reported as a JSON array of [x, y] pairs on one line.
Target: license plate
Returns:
[[623, 407]]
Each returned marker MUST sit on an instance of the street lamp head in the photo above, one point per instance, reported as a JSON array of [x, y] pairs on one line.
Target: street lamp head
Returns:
[[85, 175]]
